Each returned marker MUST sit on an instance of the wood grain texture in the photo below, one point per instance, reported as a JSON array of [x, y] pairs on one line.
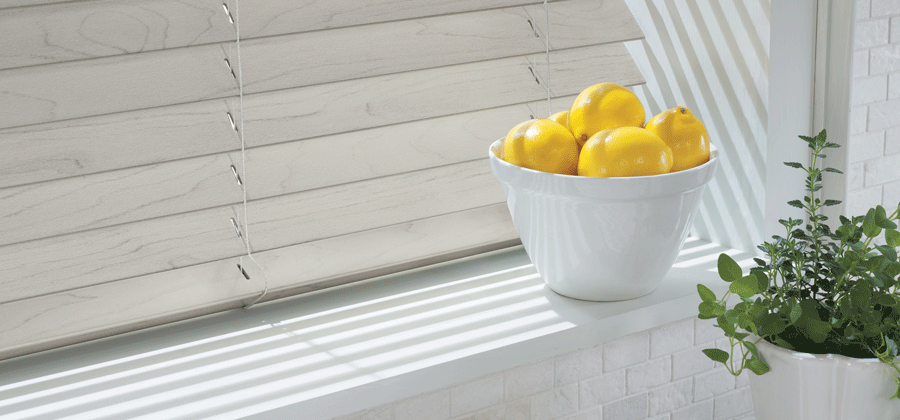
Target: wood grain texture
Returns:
[[97, 311], [142, 80], [32, 95], [88, 145], [91, 29], [112, 253], [94, 201], [573, 22]]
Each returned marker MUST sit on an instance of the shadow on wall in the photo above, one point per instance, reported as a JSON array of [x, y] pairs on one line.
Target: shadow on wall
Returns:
[[713, 57]]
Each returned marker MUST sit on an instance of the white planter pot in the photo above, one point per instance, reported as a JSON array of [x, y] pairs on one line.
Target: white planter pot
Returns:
[[602, 239], [803, 386]]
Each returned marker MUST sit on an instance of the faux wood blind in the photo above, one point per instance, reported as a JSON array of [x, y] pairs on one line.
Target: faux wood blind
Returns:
[[367, 128]]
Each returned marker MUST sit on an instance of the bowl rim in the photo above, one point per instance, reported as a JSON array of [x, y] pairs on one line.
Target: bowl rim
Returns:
[[713, 156], [821, 356]]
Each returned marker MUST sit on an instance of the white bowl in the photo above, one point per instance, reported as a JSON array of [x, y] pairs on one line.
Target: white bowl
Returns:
[[804, 386], [602, 239]]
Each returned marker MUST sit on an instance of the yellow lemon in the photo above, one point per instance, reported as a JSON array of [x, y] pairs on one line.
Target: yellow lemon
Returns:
[[685, 134], [624, 151], [542, 145], [603, 106], [562, 117]]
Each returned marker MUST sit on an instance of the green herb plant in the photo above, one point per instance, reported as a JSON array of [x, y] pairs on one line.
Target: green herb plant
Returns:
[[817, 291]]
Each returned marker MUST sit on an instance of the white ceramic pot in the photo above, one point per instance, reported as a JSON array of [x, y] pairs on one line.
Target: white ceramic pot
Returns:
[[602, 239], [803, 386]]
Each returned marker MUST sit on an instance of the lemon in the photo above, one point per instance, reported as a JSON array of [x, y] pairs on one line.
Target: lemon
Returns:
[[542, 145], [624, 151], [685, 134], [603, 106]]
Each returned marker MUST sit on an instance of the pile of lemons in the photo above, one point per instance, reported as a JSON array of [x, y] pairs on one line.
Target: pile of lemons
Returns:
[[603, 135]]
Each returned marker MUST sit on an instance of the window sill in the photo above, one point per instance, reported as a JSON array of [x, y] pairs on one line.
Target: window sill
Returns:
[[345, 349]]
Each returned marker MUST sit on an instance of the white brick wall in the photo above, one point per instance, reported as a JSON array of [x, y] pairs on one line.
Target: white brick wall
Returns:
[[660, 374], [874, 144]]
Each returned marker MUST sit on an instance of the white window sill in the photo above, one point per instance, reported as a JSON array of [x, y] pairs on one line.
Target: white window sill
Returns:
[[342, 350]]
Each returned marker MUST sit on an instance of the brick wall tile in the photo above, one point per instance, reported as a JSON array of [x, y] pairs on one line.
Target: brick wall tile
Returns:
[[671, 396], [866, 146], [885, 58], [578, 365], [555, 403], [595, 413], [690, 362], [743, 379], [671, 337], [891, 196], [894, 83], [862, 9], [647, 375], [715, 382], [698, 411], [528, 380], [732, 404], [859, 201], [883, 170], [432, 406], [856, 176], [883, 115], [871, 33], [884, 8], [667, 416], [602, 389], [516, 410], [892, 141], [861, 63], [381, 413], [630, 408], [476, 395], [705, 331], [859, 119], [869, 89], [626, 351]]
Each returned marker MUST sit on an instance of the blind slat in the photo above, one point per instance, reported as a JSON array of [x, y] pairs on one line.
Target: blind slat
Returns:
[[136, 81], [133, 249], [88, 145], [94, 201], [65, 318], [100, 28]]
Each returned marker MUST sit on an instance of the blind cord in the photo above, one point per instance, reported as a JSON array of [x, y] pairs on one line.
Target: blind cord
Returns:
[[547, 27], [240, 77]]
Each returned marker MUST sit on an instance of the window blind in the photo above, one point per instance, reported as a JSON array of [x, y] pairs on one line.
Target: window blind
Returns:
[[367, 128]]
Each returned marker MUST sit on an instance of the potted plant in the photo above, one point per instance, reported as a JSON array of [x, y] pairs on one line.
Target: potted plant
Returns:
[[821, 314]]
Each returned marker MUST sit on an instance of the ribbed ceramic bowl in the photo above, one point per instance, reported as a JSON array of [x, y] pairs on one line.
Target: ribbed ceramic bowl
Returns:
[[602, 239], [804, 386]]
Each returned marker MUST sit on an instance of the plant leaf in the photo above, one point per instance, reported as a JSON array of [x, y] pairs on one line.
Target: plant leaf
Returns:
[[757, 366], [762, 280], [870, 228], [745, 286], [817, 330], [726, 326], [831, 202], [783, 344], [881, 219], [888, 251], [892, 237], [729, 270], [795, 203], [891, 346], [796, 311], [705, 294], [708, 310], [833, 170], [794, 165], [716, 355], [772, 324]]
